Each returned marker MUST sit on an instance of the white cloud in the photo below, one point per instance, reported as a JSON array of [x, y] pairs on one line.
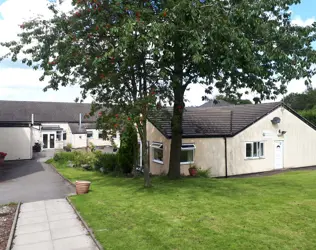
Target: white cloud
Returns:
[[297, 20]]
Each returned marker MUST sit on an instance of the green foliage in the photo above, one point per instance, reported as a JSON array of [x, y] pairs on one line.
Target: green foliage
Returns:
[[106, 163], [64, 156], [128, 152], [68, 147], [203, 173], [309, 115], [301, 101], [77, 158], [233, 100]]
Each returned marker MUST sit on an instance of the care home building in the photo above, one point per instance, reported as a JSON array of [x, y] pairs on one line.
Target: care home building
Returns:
[[52, 124], [235, 139]]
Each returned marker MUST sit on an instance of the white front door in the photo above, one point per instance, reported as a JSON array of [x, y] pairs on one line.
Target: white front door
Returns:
[[278, 154]]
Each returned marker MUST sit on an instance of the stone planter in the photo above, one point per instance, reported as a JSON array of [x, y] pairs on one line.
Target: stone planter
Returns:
[[82, 187]]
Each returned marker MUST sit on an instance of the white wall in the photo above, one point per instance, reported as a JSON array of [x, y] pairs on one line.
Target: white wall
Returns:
[[100, 142], [16, 142], [58, 144], [79, 140], [299, 144]]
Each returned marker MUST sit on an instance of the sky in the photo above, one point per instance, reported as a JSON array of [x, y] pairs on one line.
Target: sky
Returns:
[[18, 82]]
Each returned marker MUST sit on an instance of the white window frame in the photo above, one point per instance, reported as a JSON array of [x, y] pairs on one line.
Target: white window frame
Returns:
[[259, 146], [189, 147], [159, 146]]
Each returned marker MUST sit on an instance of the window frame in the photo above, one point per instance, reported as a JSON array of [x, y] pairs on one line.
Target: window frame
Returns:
[[191, 147], [260, 150], [157, 146]]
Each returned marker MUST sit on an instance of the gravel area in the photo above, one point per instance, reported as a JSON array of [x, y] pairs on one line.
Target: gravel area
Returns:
[[7, 213]]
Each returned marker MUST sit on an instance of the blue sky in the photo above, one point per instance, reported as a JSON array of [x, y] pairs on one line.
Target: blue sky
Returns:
[[306, 9]]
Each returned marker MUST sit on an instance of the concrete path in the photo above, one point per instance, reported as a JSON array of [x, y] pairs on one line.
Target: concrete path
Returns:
[[31, 180], [50, 225]]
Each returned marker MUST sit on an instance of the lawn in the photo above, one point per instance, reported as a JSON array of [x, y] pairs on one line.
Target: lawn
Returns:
[[275, 212]]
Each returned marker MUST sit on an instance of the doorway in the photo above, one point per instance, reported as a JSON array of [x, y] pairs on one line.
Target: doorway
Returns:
[[48, 141], [278, 154]]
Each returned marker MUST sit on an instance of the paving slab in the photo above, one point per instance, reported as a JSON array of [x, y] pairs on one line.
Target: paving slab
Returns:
[[50, 225]]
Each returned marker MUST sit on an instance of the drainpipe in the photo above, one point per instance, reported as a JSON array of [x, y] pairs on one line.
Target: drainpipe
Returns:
[[226, 170], [32, 119]]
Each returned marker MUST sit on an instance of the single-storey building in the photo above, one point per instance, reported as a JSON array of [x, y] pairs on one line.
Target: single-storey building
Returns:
[[235, 139], [53, 124]]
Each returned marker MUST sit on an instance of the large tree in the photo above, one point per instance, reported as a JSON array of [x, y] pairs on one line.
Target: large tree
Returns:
[[102, 46], [301, 101], [234, 45]]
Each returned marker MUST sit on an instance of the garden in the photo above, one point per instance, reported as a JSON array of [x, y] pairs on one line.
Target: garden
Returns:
[[271, 212]]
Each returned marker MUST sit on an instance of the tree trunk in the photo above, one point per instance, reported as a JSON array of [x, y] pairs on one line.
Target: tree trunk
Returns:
[[176, 126], [143, 136]]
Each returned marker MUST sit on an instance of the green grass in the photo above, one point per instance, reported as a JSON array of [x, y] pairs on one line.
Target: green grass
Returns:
[[275, 212]]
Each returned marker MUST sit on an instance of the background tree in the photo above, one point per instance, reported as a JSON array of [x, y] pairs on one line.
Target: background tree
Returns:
[[235, 46], [233, 100], [301, 101]]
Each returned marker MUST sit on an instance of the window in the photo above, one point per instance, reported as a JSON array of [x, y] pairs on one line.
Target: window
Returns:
[[187, 153], [64, 135], [100, 135], [59, 135], [254, 150], [157, 152], [89, 134]]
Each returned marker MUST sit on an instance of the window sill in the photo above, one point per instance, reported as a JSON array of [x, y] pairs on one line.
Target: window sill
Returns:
[[254, 158], [187, 163], [159, 162]]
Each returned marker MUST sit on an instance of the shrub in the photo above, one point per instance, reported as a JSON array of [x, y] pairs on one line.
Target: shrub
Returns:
[[127, 154], [68, 147], [108, 162], [82, 158], [63, 156], [203, 172]]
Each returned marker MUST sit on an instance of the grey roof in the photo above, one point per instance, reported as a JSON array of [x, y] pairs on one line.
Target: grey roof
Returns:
[[51, 128], [216, 103], [21, 111], [213, 122], [77, 129]]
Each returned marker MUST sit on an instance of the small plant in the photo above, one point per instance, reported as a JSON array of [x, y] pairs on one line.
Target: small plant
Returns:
[[68, 147], [203, 172], [192, 170], [92, 147]]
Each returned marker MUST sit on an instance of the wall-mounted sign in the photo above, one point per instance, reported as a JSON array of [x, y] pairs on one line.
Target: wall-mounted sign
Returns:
[[268, 134]]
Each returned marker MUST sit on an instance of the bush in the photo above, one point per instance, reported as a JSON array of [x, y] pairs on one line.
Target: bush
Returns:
[[203, 172], [127, 154], [68, 147], [77, 158], [106, 162], [64, 156]]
